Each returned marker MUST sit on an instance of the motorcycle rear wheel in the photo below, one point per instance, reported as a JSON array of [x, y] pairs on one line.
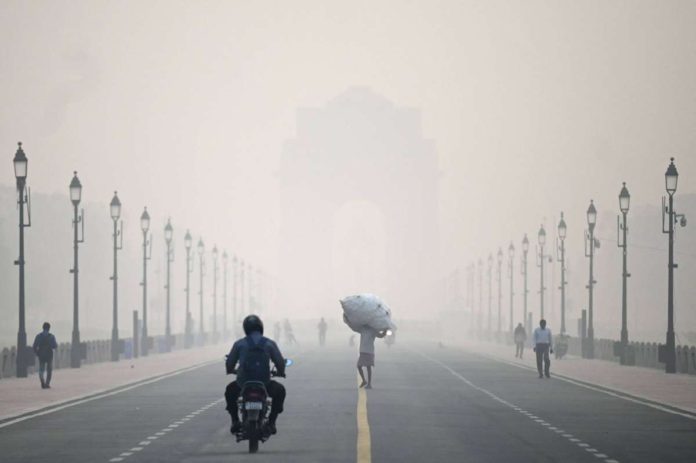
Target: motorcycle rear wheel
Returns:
[[253, 433], [253, 444]]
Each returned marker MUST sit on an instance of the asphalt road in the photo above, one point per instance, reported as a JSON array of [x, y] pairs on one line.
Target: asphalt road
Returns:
[[427, 405]]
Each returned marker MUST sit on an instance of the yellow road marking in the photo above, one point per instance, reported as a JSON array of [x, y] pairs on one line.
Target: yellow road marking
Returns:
[[364, 451]]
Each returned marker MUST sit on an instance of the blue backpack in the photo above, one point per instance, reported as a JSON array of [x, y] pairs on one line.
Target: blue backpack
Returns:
[[255, 362]]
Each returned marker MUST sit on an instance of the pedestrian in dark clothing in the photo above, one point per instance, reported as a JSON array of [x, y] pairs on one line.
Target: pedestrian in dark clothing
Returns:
[[543, 345], [44, 344], [322, 331], [520, 339]]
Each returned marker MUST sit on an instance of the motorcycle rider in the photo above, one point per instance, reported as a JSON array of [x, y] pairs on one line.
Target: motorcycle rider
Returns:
[[253, 329]]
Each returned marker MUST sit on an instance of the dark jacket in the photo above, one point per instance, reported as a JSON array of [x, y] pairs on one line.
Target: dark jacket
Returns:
[[520, 334], [241, 346], [44, 343]]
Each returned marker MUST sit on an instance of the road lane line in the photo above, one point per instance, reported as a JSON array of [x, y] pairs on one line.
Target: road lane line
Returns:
[[176, 424], [603, 389], [534, 418], [364, 451], [98, 395], [163, 432]]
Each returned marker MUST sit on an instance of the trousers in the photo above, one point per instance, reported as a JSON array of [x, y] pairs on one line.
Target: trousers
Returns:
[[47, 367], [519, 349], [542, 356], [275, 390]]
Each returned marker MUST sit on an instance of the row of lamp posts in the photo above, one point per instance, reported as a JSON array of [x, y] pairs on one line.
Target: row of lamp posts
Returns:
[[24, 354], [669, 218]]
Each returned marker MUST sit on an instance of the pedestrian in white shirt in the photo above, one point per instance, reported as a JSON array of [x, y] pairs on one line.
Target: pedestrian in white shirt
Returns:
[[543, 345]]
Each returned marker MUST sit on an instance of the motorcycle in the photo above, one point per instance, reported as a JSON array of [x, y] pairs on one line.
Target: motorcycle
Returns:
[[254, 405]]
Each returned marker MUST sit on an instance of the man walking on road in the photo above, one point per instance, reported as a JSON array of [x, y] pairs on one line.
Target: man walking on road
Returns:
[[367, 353], [543, 345], [520, 339], [44, 343], [322, 331]]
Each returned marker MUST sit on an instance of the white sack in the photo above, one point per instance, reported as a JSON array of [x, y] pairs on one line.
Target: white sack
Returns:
[[366, 309]]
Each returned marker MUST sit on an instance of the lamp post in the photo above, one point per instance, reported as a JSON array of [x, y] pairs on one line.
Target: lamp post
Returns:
[[525, 292], [115, 209], [542, 241], [215, 278], [671, 178], [201, 259], [470, 294], [20, 164], [189, 268], [76, 197], [490, 294], [590, 244], [241, 288], [500, 289], [235, 296], [168, 234], [480, 304], [511, 269], [560, 251], [621, 241], [145, 227], [224, 294], [250, 289]]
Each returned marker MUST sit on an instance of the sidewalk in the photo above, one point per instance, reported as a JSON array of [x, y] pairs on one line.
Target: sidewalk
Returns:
[[675, 390], [23, 395]]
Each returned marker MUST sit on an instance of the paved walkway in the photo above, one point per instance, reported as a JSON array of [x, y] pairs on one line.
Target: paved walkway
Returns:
[[676, 390], [23, 395]]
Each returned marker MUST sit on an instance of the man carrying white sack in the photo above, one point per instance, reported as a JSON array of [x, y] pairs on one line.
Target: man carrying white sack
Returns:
[[368, 316], [367, 353]]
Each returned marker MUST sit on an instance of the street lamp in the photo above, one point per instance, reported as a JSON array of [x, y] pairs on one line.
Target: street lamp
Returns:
[[201, 259], [145, 227], [76, 197], [490, 293], [471, 272], [541, 237], [500, 289], [480, 304], [20, 164], [669, 350], [168, 235], [241, 288], [189, 269], [590, 244], [215, 278], [235, 297], [511, 269], [250, 289], [622, 242], [525, 251], [115, 210], [225, 258], [560, 251]]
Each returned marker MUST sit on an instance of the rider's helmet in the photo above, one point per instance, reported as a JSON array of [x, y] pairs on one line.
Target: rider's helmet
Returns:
[[252, 323]]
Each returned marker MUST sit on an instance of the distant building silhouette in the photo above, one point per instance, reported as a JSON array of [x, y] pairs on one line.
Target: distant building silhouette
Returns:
[[358, 147]]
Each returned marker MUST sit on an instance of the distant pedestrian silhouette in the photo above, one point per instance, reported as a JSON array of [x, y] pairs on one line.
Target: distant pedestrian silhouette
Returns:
[[289, 335], [322, 331], [44, 344], [520, 339]]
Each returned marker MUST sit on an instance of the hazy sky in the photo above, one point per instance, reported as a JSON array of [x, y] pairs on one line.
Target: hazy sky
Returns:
[[534, 106]]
